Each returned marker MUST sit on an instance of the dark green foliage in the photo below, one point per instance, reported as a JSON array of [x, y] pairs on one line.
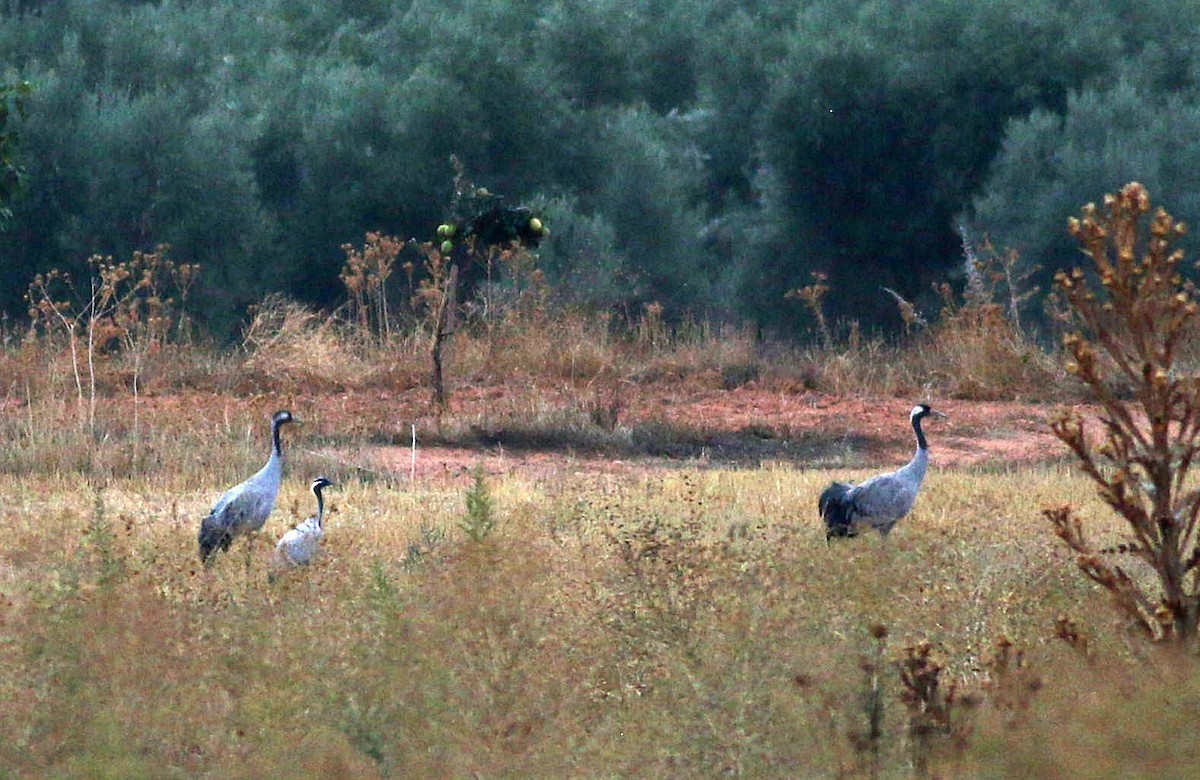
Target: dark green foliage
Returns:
[[708, 156], [1105, 137], [880, 125], [12, 109]]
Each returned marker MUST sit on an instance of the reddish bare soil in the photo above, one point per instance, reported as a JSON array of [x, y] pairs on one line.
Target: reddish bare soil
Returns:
[[874, 431], [743, 426]]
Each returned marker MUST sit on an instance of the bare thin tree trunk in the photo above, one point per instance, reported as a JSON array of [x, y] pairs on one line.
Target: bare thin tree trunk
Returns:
[[443, 327]]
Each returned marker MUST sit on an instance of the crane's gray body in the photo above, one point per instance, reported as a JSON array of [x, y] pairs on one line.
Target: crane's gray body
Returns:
[[883, 500], [302, 543], [244, 508]]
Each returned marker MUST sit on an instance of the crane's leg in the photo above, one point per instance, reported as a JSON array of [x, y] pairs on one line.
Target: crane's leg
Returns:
[[249, 545]]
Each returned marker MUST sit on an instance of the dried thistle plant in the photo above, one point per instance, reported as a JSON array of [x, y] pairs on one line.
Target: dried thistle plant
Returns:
[[133, 306], [1133, 328], [813, 296], [932, 706], [365, 275], [908, 311], [997, 277], [1011, 683]]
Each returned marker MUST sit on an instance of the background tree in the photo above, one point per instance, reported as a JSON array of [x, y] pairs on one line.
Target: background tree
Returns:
[[1105, 137], [12, 108], [719, 152]]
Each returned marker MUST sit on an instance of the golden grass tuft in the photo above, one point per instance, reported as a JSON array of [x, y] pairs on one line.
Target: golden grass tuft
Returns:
[[291, 346], [977, 352]]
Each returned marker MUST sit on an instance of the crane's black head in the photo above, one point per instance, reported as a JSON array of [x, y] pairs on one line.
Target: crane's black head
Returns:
[[918, 413], [319, 484], [278, 420], [921, 411]]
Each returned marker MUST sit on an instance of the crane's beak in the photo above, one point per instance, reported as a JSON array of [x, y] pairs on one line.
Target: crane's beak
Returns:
[[936, 413]]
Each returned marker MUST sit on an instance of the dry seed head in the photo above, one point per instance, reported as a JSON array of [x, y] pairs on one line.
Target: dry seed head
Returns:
[[1142, 197], [1164, 614]]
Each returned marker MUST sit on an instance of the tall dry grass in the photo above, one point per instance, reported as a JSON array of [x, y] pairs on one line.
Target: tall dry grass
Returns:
[[692, 623]]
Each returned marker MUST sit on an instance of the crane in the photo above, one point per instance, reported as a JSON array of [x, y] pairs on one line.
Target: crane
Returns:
[[300, 544], [245, 507], [883, 500]]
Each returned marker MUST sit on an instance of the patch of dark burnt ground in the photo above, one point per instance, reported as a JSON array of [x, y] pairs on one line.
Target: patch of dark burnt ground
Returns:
[[748, 446]]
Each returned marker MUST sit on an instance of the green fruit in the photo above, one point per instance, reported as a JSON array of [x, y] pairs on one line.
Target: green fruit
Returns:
[[447, 246], [535, 225], [445, 231]]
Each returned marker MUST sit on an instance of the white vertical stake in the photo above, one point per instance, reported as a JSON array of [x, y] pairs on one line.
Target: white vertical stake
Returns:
[[412, 469]]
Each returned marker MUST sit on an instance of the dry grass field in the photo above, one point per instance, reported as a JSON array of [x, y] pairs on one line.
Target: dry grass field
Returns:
[[654, 600], [601, 558]]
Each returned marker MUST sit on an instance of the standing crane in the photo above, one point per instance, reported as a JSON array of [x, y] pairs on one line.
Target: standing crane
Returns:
[[300, 544], [881, 501], [244, 508]]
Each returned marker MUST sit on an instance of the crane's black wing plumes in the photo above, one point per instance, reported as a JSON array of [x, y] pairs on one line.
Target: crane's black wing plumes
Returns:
[[212, 537], [837, 509]]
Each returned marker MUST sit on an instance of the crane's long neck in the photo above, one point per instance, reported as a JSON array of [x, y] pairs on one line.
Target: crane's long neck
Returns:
[[272, 470], [277, 441], [922, 445], [920, 462], [320, 505]]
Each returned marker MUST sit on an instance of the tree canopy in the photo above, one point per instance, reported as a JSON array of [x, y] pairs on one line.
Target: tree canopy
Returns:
[[708, 156]]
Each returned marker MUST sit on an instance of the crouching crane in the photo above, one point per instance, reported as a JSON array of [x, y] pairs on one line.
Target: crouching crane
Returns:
[[883, 500], [301, 544]]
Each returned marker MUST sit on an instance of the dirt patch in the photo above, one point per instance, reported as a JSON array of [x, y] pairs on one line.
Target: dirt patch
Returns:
[[660, 425], [748, 427]]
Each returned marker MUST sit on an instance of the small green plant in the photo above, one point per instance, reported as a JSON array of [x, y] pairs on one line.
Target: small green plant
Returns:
[[101, 542], [479, 522], [1127, 345], [419, 551]]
